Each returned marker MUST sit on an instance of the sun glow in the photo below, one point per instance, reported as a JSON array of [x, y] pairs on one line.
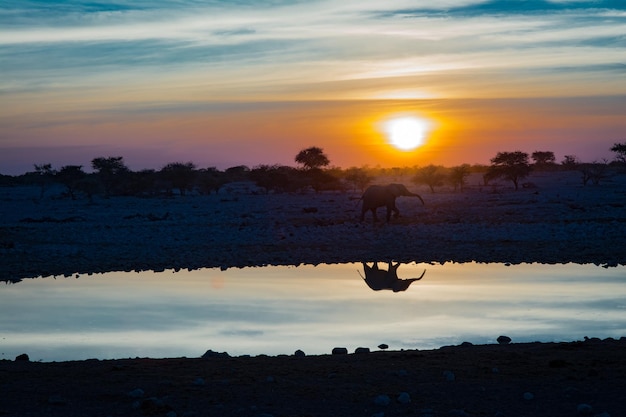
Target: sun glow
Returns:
[[406, 133]]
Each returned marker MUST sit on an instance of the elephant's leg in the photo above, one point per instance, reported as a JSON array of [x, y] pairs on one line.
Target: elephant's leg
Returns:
[[393, 270], [374, 214], [396, 212], [390, 208]]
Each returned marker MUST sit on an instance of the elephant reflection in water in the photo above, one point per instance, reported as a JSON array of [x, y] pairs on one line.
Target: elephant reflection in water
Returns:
[[386, 279]]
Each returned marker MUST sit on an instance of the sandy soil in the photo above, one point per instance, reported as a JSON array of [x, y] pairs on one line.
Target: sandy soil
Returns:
[[565, 379], [555, 220]]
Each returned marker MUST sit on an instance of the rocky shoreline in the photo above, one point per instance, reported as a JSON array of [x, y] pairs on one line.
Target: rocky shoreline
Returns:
[[555, 220], [583, 378]]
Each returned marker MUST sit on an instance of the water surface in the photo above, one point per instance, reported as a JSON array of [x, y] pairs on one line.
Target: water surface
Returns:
[[276, 310]]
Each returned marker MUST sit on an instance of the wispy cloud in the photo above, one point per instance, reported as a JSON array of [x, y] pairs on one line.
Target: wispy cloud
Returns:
[[336, 40], [77, 60]]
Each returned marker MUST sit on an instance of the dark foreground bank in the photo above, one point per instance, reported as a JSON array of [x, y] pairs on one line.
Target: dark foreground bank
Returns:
[[535, 379]]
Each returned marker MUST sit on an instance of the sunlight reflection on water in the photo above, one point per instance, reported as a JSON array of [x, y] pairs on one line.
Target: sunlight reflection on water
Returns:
[[276, 310]]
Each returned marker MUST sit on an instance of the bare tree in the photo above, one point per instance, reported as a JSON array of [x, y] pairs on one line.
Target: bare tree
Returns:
[[569, 161], [45, 174], [593, 172]]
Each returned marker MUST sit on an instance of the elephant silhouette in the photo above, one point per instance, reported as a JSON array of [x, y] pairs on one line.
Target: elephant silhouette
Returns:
[[386, 279], [376, 196]]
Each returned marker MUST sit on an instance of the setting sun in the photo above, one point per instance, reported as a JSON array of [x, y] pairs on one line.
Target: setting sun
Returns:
[[406, 133]]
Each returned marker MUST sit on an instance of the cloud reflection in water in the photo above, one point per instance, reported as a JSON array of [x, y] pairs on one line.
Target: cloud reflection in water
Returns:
[[276, 310]]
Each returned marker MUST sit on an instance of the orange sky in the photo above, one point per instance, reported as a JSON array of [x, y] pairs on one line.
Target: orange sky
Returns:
[[462, 131]]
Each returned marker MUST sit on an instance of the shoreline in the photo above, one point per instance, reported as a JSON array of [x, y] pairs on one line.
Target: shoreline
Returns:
[[517, 379], [556, 221]]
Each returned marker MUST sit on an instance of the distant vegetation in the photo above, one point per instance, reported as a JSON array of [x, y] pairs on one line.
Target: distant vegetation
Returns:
[[111, 177]]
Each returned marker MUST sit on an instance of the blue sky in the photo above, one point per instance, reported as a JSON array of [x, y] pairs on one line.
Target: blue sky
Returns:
[[159, 79]]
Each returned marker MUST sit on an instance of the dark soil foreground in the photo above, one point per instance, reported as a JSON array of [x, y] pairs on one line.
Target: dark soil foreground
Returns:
[[535, 379]]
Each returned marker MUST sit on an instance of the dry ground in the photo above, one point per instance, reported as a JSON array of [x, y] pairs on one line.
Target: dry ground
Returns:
[[556, 220]]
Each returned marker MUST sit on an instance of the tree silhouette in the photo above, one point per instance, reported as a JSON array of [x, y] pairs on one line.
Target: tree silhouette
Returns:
[[180, 175], [237, 173], [312, 158], [430, 175], [569, 161], [620, 150], [277, 178], [210, 179], [593, 172], [70, 175], [323, 180], [358, 177], [109, 171], [458, 176], [45, 173], [543, 159], [512, 166]]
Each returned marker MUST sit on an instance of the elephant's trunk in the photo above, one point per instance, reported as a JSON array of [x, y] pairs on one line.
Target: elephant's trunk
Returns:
[[410, 194]]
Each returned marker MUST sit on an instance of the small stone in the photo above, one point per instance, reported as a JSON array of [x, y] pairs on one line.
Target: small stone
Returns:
[[503, 340], [340, 351], [154, 405], [528, 396], [136, 393], [382, 400], [404, 398], [22, 357], [449, 376], [362, 350], [56, 400], [298, 353], [383, 346], [467, 344], [584, 410], [199, 382], [571, 392], [558, 363]]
